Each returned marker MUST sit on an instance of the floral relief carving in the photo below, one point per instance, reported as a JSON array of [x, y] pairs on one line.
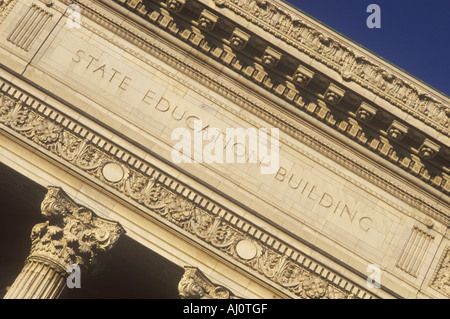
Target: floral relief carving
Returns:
[[72, 234], [5, 6], [195, 285], [441, 281]]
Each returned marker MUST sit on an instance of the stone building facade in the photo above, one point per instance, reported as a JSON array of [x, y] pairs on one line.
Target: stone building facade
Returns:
[[91, 93]]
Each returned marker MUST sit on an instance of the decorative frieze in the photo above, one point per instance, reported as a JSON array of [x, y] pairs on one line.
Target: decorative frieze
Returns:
[[195, 285], [5, 7], [441, 277]]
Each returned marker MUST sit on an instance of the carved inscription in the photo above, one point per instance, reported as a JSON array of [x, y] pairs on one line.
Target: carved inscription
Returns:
[[106, 73], [312, 192], [180, 114]]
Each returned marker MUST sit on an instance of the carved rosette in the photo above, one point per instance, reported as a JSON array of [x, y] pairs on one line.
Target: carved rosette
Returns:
[[195, 285], [175, 5], [72, 233]]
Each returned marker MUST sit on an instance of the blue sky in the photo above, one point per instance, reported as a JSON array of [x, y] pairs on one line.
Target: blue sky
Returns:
[[414, 35]]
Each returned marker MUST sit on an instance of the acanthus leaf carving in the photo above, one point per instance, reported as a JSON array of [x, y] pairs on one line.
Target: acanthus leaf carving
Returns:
[[72, 233], [195, 285], [441, 279]]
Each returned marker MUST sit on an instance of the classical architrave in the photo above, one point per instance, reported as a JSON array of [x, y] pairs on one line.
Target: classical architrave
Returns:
[[183, 208], [413, 165], [195, 285]]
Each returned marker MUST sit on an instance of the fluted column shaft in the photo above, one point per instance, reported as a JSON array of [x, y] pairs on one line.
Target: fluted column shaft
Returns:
[[38, 280]]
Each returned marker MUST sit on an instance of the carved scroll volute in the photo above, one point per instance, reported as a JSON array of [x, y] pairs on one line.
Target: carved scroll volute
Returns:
[[195, 285], [72, 233]]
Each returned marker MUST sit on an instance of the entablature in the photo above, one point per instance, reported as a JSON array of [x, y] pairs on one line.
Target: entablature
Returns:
[[389, 114]]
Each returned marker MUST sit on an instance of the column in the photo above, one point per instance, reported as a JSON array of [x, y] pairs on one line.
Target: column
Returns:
[[72, 235]]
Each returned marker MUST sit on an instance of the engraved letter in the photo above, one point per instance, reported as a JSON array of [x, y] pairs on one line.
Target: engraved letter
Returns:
[[123, 85], [274, 157], [160, 106], [114, 74], [281, 172], [79, 52], [213, 152], [92, 60], [364, 225], [328, 198], [102, 68]]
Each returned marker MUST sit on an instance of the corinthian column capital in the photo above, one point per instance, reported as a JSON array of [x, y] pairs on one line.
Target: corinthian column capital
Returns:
[[72, 233]]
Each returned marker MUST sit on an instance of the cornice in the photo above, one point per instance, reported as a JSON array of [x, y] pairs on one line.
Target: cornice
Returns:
[[167, 200], [352, 62]]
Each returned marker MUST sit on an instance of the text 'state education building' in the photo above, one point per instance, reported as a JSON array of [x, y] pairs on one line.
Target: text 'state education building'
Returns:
[[90, 93]]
